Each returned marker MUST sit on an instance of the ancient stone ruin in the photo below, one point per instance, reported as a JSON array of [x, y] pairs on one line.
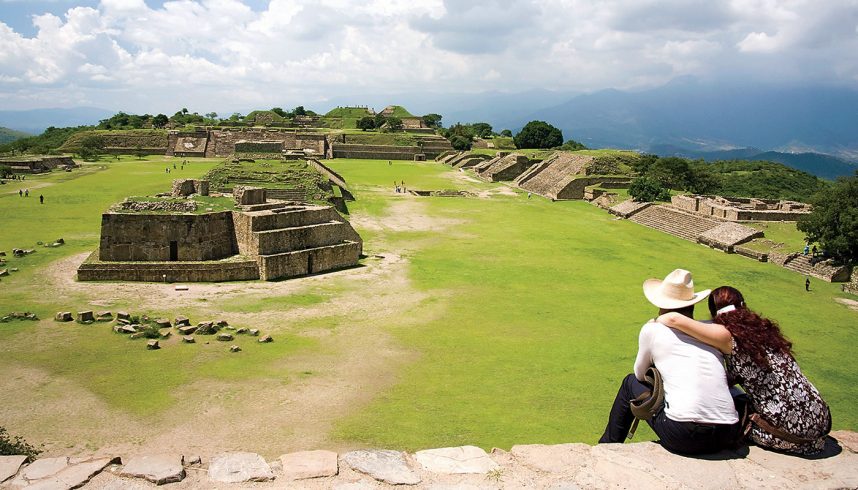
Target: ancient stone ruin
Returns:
[[566, 175], [742, 209], [260, 239], [37, 164]]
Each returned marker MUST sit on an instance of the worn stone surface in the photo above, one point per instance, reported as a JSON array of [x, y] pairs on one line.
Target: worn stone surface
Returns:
[[224, 337], [848, 440], [463, 459], [158, 469], [85, 316], [239, 467], [63, 316], [188, 339], [182, 321], [104, 316], [265, 339], [383, 465], [153, 345], [309, 464], [61, 473], [557, 458], [9, 466], [187, 329], [234, 348]]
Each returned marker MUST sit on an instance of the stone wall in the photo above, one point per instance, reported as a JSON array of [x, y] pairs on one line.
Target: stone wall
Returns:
[[186, 187], [148, 237], [222, 141], [309, 261], [246, 195], [244, 270], [375, 152], [741, 209], [37, 164], [727, 235]]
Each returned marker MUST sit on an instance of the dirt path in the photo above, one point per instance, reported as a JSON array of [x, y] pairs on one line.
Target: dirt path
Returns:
[[352, 364]]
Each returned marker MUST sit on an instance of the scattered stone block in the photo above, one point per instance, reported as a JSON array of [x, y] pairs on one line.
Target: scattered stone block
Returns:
[[9, 466], [166, 334], [181, 288], [61, 473], [234, 348], [253, 332], [125, 329], [60, 241], [456, 460], [222, 323], [225, 337], [13, 269], [555, 458], [188, 339], [206, 328], [163, 323], [153, 345], [4, 272], [265, 339], [123, 315], [85, 316], [182, 321], [104, 316], [63, 316], [239, 467], [158, 469], [187, 330], [309, 464], [2, 253], [383, 465], [241, 331]]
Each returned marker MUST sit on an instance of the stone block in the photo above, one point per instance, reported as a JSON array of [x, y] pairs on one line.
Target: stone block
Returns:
[[153, 345], [63, 316], [309, 464], [104, 316], [9, 466], [456, 460], [158, 469], [85, 316], [239, 467], [384, 465]]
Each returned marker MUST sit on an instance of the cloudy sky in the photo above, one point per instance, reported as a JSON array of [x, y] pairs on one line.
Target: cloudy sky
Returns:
[[160, 55]]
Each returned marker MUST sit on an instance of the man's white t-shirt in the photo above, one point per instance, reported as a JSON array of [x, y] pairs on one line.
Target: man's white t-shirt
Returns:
[[695, 383]]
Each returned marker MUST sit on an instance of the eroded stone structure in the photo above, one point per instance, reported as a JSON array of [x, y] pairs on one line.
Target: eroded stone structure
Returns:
[[261, 240], [565, 175], [223, 142], [742, 209], [37, 164], [506, 167]]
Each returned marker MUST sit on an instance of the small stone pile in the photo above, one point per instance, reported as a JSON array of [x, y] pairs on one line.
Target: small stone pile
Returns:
[[171, 206], [18, 315]]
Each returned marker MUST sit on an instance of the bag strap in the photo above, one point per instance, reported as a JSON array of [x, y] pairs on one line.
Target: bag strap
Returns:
[[777, 432], [648, 403]]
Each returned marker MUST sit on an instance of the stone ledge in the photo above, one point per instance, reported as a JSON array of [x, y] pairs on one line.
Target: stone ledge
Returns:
[[635, 465]]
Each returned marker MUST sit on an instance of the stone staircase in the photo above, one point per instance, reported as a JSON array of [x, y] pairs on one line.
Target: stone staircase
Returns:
[[297, 240], [804, 264], [670, 220]]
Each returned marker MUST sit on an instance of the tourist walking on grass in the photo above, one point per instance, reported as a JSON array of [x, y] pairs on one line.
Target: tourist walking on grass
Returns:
[[20, 193], [698, 415], [26, 192], [791, 415], [807, 283], [41, 199]]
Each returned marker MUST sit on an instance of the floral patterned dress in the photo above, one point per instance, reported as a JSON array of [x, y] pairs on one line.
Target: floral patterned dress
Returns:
[[784, 397]]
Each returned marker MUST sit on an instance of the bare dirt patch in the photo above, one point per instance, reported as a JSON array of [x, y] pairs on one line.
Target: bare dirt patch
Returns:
[[406, 214], [849, 303]]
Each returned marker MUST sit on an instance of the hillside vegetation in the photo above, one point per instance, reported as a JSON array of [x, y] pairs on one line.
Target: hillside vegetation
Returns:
[[126, 138], [8, 135], [47, 142]]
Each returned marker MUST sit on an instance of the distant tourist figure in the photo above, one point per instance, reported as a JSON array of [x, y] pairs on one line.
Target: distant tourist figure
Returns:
[[41, 199], [791, 414], [529, 195], [698, 415], [806, 249], [26, 192], [813, 251], [174, 165], [20, 193], [389, 162], [807, 283]]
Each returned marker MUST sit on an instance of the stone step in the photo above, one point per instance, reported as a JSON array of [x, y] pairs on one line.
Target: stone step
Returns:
[[309, 260], [295, 238], [674, 222]]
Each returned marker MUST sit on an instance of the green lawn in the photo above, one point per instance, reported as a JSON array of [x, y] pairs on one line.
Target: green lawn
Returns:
[[531, 318]]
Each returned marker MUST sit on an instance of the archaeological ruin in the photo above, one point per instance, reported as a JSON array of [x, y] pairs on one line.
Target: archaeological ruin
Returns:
[[38, 164], [243, 237]]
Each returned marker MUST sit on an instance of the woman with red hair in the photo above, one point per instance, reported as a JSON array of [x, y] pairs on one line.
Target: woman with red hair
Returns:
[[791, 415]]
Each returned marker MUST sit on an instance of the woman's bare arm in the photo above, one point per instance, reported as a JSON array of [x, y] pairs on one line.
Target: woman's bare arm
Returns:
[[713, 334]]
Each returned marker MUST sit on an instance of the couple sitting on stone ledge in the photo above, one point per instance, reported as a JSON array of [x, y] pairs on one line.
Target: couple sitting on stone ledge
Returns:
[[700, 413]]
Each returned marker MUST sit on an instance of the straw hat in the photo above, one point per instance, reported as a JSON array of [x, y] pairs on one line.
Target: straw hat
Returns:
[[676, 291]]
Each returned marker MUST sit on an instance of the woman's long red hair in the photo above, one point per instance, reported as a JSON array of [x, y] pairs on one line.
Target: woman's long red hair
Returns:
[[753, 334]]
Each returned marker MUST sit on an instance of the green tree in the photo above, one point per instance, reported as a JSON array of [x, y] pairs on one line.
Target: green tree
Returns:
[[279, 111], [538, 134], [671, 172], [833, 223], [572, 145], [432, 120], [300, 111], [481, 129], [5, 171], [506, 133], [160, 121], [366, 123], [461, 143], [645, 189], [91, 147], [393, 124]]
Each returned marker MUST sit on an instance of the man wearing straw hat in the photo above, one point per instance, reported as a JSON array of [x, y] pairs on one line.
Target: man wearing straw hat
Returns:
[[698, 415]]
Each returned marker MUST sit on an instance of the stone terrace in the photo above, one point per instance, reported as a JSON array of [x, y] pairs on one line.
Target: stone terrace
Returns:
[[643, 465], [674, 221], [504, 168], [552, 176]]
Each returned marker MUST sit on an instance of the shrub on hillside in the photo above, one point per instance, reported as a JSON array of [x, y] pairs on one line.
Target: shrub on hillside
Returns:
[[366, 123], [538, 134], [460, 143], [833, 223], [14, 446], [645, 189], [572, 145]]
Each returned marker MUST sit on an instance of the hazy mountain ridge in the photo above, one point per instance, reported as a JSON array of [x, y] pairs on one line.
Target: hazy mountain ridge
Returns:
[[7, 135], [35, 121]]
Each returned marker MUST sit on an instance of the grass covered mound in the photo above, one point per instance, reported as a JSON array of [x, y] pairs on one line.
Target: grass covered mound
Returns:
[[171, 205], [349, 112], [289, 175]]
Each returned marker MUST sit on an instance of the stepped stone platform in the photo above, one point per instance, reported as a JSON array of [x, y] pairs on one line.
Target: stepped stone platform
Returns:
[[727, 235], [643, 465], [564, 175], [507, 167], [628, 207], [812, 266], [674, 221]]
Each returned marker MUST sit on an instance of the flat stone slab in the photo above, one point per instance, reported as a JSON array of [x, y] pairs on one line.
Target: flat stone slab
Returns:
[[239, 467], [158, 469], [383, 465], [309, 464], [554, 458], [456, 460], [9, 466], [60, 473]]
